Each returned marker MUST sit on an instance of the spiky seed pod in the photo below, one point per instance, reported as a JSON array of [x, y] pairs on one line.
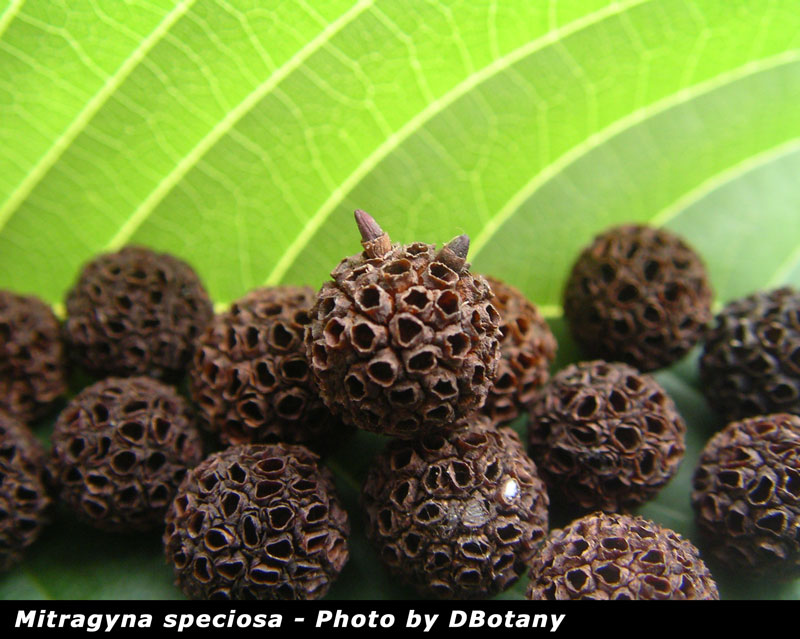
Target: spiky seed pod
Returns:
[[606, 436], [32, 362], [618, 557], [404, 340], [23, 490], [136, 312], [457, 515], [746, 495], [751, 360], [527, 348], [120, 449], [257, 521], [250, 377], [639, 295]]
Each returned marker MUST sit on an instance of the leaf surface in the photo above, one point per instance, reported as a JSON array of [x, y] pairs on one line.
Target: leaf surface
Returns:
[[241, 137]]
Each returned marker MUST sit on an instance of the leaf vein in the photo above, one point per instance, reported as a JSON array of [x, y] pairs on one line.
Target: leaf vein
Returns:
[[393, 141], [51, 156], [191, 159], [617, 127]]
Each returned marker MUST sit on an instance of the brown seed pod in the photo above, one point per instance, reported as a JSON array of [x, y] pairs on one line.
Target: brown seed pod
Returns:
[[606, 436], [136, 312], [32, 362], [120, 449], [751, 359], [457, 515], [746, 495], [527, 348], [404, 340], [23, 490], [639, 295], [250, 377], [257, 521], [618, 557]]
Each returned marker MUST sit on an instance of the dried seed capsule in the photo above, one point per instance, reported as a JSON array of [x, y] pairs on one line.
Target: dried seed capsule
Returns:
[[746, 495], [456, 515], [120, 449], [257, 521], [23, 490], [136, 312], [527, 347], [639, 295], [250, 377], [606, 436], [404, 340], [618, 557], [32, 359], [751, 360]]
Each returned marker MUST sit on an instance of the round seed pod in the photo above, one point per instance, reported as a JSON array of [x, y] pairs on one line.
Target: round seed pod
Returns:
[[746, 495], [32, 362], [120, 449], [456, 515], [404, 340], [527, 348], [751, 360], [257, 521], [250, 377], [618, 556], [639, 295], [606, 436], [136, 312], [23, 490]]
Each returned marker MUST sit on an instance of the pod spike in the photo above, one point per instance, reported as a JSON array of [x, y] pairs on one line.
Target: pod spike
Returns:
[[374, 239]]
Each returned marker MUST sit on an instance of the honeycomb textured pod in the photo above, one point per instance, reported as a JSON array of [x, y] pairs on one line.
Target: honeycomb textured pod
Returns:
[[606, 436], [136, 312], [120, 449], [257, 521], [23, 490], [250, 377], [404, 340], [527, 348], [618, 557], [751, 361], [746, 495], [32, 362], [457, 515], [639, 295]]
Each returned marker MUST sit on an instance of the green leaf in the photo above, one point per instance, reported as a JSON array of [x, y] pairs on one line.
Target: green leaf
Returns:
[[241, 137]]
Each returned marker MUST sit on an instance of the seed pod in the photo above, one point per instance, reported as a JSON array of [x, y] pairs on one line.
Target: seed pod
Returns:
[[404, 340], [32, 359], [257, 522], [746, 495], [136, 312], [120, 449], [23, 490], [639, 295], [527, 347], [605, 436], [751, 360], [250, 377], [618, 557], [456, 515]]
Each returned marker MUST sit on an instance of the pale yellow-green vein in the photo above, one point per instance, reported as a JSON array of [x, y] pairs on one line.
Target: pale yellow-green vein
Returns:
[[190, 160], [617, 127], [80, 122], [392, 142], [9, 14]]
